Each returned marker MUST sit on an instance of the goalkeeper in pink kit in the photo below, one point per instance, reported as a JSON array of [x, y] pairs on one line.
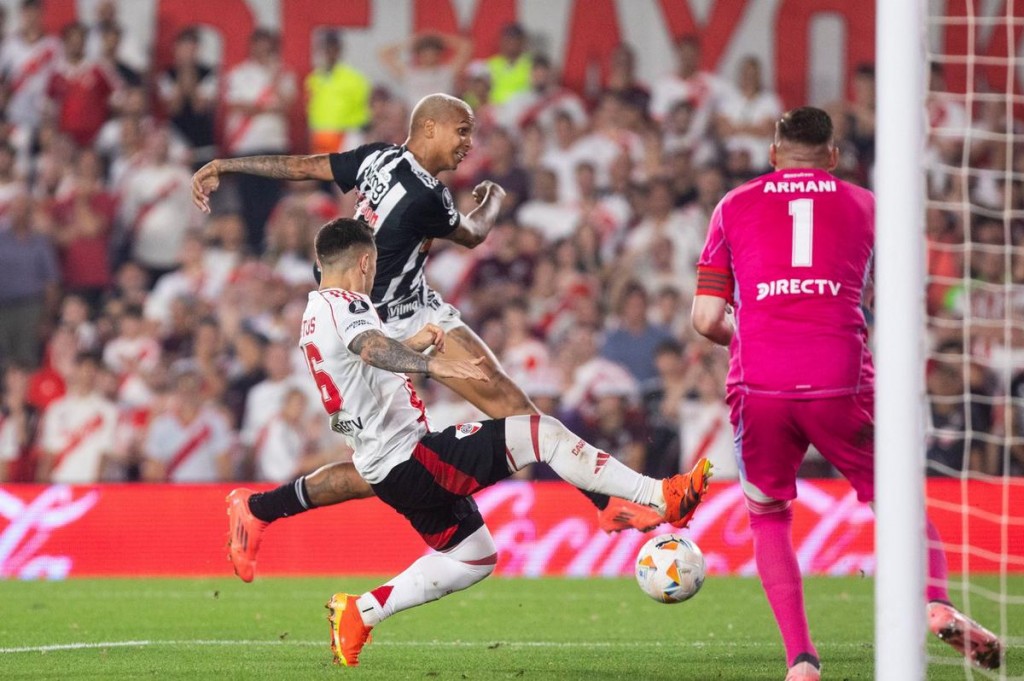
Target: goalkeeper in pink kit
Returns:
[[790, 252]]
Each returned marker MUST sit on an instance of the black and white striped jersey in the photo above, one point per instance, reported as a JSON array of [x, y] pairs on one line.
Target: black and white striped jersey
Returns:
[[407, 207]]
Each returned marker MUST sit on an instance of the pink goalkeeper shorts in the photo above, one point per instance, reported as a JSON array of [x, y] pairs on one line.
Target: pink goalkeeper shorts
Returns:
[[772, 435]]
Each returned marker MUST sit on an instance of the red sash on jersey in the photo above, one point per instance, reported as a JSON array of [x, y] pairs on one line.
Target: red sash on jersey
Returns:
[[148, 206], [187, 450], [264, 98], [534, 110], [77, 437], [709, 437], [31, 68]]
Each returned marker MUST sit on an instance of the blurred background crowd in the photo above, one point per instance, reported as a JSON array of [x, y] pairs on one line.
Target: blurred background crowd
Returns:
[[143, 340]]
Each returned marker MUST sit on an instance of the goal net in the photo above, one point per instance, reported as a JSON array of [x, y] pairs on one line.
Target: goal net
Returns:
[[974, 338]]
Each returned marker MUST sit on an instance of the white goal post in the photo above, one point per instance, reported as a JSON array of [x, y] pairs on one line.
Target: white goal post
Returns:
[[899, 342]]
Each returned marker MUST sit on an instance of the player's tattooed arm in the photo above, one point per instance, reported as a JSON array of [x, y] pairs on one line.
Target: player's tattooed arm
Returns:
[[207, 179], [315, 167], [475, 227], [376, 349]]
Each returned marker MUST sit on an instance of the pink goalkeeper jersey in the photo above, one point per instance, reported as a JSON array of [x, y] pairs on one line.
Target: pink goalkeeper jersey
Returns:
[[792, 251]]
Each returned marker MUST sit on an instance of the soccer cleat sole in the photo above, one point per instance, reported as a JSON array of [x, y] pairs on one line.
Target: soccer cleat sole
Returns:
[[985, 653]]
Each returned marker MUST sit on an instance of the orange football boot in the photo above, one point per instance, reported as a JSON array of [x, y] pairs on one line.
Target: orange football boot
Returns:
[[684, 492], [244, 534], [348, 633], [620, 515]]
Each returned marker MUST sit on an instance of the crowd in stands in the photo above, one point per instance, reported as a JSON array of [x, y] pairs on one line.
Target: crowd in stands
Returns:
[[143, 340]]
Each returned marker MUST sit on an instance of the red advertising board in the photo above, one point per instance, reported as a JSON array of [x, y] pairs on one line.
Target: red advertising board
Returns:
[[540, 528]]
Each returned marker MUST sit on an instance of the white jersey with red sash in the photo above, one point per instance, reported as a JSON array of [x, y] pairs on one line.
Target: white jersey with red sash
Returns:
[[77, 430], [189, 450], [260, 86], [27, 68]]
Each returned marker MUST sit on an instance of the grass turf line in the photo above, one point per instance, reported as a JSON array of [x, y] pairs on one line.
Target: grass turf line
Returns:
[[503, 628]]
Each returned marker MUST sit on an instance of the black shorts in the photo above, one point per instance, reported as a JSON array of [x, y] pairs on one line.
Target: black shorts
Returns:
[[432, 489]]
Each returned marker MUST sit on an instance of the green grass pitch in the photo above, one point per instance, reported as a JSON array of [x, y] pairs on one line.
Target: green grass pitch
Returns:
[[500, 629]]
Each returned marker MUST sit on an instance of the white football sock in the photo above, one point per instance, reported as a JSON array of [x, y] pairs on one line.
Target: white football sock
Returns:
[[432, 577], [543, 438]]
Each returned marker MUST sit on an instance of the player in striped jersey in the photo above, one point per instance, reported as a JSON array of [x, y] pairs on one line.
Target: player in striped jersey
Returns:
[[400, 197]]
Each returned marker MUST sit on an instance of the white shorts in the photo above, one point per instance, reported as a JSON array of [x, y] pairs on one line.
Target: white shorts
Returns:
[[432, 310]]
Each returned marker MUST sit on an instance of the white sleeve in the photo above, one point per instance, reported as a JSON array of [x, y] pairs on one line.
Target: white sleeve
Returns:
[[354, 314], [8, 439], [50, 440]]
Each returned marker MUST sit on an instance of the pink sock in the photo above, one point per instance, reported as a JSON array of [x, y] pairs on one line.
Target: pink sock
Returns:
[[938, 573], [780, 576]]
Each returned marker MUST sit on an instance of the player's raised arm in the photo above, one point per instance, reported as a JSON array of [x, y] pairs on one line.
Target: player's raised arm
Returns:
[[377, 350], [207, 179], [475, 227]]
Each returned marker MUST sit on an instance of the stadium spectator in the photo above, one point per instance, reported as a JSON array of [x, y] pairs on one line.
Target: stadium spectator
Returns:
[[245, 371], [132, 356], [509, 69], [258, 96], [420, 65], [284, 448], [154, 205], [688, 83], [746, 115], [188, 95], [83, 215], [855, 120], [541, 101], [622, 79], [18, 422], [77, 429], [191, 441], [800, 369], [338, 98], [632, 340], [109, 54], [267, 397], [704, 414], [75, 316], [27, 61], [11, 185], [81, 89], [29, 276]]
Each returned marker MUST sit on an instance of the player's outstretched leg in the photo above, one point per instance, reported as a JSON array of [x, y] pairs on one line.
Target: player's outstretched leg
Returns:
[[428, 579], [535, 438], [972, 640], [771, 524], [250, 512], [500, 398]]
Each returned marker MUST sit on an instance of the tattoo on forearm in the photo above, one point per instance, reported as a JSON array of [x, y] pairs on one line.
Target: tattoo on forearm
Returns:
[[378, 350], [280, 167]]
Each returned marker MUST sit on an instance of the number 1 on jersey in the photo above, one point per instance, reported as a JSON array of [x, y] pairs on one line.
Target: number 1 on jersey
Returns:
[[802, 211]]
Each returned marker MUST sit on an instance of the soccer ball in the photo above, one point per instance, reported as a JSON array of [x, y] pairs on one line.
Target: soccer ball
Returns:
[[670, 569]]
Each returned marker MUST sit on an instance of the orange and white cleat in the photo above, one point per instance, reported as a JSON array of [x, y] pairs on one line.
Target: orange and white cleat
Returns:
[[348, 632], [244, 534], [620, 515], [973, 641], [684, 492]]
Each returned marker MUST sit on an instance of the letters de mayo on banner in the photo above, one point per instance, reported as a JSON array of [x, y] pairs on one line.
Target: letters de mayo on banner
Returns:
[[808, 48], [544, 528]]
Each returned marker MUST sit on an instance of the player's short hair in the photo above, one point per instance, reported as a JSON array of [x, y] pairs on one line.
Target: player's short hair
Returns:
[[807, 125], [339, 235]]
